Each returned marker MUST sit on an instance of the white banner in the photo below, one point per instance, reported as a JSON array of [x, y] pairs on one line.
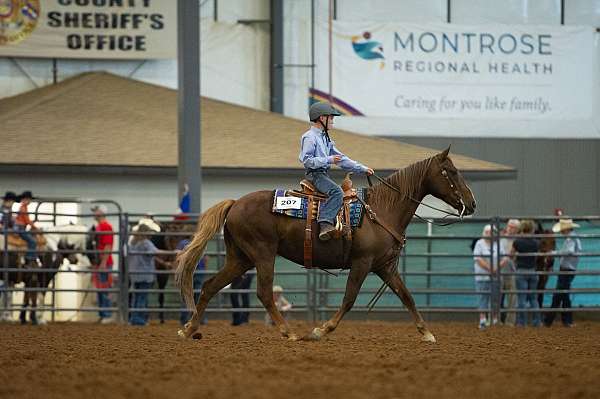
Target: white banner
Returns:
[[126, 29], [458, 71]]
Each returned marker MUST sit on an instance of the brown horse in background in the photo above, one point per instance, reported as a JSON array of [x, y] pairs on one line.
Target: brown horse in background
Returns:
[[254, 236], [169, 243]]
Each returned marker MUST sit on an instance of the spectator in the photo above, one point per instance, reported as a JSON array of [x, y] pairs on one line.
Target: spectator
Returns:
[[483, 253], [21, 223], [197, 281], [241, 283], [527, 278], [568, 263], [8, 219], [281, 304], [508, 279], [142, 267], [103, 279]]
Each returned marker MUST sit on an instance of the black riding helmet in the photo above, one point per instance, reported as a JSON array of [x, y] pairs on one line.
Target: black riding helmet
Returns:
[[322, 109]]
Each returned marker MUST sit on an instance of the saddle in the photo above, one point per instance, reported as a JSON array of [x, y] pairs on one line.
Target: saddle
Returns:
[[343, 228], [15, 242]]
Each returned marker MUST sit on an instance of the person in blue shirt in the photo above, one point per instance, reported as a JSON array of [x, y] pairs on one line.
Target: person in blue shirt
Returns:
[[569, 260], [318, 153]]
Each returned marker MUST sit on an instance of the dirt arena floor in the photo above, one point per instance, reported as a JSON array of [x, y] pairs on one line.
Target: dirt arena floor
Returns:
[[359, 360]]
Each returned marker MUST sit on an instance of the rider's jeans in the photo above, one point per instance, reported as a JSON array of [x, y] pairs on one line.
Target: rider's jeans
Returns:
[[332, 205], [28, 238]]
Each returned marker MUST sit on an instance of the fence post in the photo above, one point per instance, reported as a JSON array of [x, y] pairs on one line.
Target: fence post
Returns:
[[123, 274], [308, 297], [6, 277], [429, 234], [497, 285]]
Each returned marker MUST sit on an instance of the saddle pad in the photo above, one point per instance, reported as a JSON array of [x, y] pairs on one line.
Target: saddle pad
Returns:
[[356, 208]]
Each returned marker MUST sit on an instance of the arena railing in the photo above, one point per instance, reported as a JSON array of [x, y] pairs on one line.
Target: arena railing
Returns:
[[322, 295]]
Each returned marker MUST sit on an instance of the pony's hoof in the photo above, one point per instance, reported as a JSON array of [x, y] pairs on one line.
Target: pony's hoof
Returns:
[[197, 335], [184, 333], [294, 337], [428, 337], [315, 335]]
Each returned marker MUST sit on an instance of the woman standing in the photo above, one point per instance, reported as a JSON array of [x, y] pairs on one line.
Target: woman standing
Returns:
[[484, 265]]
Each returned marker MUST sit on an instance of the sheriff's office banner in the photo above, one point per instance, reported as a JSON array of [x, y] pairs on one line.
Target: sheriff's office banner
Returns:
[[456, 71], [88, 28]]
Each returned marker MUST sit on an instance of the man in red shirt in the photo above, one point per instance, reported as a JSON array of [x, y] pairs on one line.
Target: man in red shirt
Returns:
[[104, 242]]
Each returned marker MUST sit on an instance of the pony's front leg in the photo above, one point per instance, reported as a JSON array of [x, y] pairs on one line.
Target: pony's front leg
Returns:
[[357, 276], [264, 291], [390, 276]]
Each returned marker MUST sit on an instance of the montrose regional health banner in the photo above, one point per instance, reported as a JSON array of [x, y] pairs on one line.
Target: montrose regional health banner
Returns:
[[458, 71], [127, 29]]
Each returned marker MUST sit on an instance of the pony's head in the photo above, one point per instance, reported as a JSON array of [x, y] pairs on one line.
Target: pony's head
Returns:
[[445, 182]]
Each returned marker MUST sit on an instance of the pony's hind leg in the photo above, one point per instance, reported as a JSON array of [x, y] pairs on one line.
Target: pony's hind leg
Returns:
[[390, 276], [32, 314], [234, 267]]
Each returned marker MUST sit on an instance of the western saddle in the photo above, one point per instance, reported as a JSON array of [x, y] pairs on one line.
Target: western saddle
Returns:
[[342, 225]]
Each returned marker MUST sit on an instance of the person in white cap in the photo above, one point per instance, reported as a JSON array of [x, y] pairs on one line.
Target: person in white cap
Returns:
[[486, 262], [281, 303], [142, 267], [104, 244], [568, 263]]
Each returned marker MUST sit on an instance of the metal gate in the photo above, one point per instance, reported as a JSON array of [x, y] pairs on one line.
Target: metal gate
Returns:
[[437, 266]]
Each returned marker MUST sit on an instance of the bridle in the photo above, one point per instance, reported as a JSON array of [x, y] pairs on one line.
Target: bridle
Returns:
[[451, 183]]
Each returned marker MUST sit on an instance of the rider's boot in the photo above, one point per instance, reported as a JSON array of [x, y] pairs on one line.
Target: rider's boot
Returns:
[[326, 231]]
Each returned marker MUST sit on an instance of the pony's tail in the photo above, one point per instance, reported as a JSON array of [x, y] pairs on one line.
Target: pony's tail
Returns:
[[209, 224]]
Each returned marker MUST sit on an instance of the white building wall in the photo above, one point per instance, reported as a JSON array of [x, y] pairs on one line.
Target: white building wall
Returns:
[[143, 194]]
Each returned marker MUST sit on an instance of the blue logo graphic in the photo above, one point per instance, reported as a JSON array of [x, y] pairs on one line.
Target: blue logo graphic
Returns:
[[368, 49]]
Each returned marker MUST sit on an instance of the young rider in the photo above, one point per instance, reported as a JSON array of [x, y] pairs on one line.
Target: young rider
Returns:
[[317, 153]]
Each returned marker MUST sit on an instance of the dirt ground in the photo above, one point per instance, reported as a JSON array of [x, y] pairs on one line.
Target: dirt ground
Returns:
[[359, 360]]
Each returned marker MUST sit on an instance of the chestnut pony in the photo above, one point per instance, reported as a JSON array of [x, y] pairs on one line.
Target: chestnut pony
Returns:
[[254, 236]]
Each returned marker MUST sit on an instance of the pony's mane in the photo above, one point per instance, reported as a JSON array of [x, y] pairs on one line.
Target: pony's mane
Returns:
[[407, 180]]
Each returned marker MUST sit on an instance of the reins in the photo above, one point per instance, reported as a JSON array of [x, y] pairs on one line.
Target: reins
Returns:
[[447, 214]]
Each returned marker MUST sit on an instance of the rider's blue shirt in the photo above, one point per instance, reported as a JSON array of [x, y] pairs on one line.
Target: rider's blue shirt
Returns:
[[316, 153]]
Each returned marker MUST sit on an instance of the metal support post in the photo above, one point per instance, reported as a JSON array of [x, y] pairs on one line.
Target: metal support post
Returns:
[[123, 269], [277, 56], [189, 169]]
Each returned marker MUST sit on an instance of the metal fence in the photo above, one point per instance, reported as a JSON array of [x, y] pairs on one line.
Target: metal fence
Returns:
[[437, 265]]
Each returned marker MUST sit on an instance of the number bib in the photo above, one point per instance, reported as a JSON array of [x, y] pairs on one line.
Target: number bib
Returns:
[[288, 203]]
